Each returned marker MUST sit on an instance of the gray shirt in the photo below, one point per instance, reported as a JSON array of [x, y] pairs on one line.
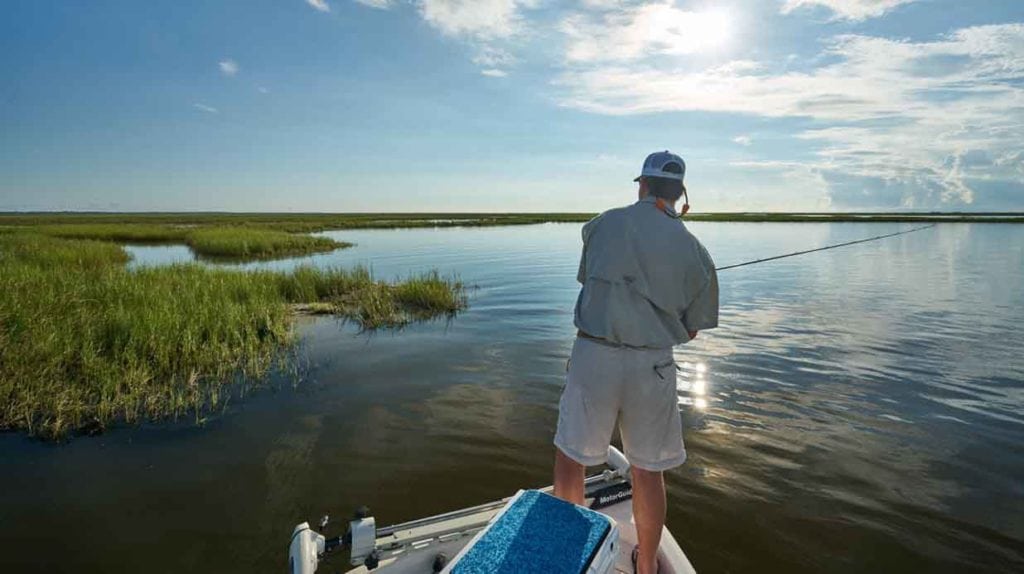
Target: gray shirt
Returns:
[[646, 279]]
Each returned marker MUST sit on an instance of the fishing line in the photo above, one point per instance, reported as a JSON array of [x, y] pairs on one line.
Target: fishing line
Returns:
[[827, 247], [700, 396]]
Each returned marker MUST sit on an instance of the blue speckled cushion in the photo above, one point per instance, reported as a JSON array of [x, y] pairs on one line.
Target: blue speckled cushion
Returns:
[[537, 533]]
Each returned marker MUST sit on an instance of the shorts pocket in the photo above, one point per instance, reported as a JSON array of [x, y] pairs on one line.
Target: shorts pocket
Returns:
[[666, 370]]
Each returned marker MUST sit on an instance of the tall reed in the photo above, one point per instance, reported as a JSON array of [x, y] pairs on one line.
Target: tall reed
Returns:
[[253, 243], [85, 342]]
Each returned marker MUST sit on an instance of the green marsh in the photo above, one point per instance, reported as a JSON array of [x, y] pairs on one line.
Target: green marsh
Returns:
[[213, 241], [250, 243], [85, 342]]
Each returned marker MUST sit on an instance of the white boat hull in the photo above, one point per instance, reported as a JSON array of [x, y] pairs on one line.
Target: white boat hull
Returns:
[[671, 558], [414, 547]]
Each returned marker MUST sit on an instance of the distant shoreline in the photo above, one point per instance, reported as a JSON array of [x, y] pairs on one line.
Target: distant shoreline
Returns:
[[311, 222], [861, 217]]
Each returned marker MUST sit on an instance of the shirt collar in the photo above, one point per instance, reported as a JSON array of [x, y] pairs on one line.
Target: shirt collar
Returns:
[[654, 200]]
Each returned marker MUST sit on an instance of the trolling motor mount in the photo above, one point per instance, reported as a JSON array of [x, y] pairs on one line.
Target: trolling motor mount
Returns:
[[305, 550], [308, 547], [362, 535]]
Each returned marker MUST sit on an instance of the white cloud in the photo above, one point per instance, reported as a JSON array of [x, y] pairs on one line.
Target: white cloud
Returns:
[[228, 67], [743, 140], [639, 31], [205, 108], [379, 4], [848, 9], [494, 73], [320, 5], [490, 56], [486, 25], [602, 4], [768, 184], [262, 90], [476, 19], [912, 113]]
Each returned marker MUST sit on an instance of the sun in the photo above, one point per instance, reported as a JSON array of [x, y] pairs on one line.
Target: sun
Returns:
[[683, 32], [711, 29]]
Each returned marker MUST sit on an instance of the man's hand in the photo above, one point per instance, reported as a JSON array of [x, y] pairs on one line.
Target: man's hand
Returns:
[[693, 334]]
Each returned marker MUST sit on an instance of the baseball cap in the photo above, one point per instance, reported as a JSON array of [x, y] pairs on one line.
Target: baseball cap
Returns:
[[663, 164]]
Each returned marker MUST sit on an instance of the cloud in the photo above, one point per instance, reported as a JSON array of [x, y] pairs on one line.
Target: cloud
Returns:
[[262, 90], [378, 4], [228, 67], [743, 140], [602, 4], [856, 10], [485, 24], [205, 108], [766, 184], [494, 73], [490, 56], [476, 19], [320, 5], [631, 33], [909, 113]]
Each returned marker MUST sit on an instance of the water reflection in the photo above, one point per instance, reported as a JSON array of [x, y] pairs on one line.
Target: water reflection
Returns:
[[158, 255], [692, 385], [699, 387], [858, 409]]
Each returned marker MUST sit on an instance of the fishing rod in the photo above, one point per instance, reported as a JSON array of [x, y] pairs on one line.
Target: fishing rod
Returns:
[[827, 247]]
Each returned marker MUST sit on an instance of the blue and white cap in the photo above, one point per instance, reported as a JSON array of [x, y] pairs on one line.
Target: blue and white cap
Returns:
[[663, 164]]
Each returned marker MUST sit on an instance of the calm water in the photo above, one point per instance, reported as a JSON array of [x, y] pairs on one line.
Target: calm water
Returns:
[[860, 409]]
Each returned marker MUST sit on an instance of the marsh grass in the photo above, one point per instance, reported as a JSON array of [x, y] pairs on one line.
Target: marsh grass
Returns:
[[32, 250], [254, 243], [120, 232], [429, 295], [214, 242], [84, 342], [289, 222], [357, 295]]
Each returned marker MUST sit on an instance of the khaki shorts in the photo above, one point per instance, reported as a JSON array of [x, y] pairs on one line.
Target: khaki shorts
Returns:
[[635, 386]]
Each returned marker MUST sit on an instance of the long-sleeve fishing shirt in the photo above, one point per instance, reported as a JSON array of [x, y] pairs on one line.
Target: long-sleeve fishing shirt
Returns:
[[647, 281]]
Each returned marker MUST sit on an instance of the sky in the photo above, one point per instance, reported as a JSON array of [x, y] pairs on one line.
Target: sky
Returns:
[[509, 105]]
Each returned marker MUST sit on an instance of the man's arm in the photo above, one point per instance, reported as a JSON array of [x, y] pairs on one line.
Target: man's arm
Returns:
[[702, 313], [588, 228], [581, 274]]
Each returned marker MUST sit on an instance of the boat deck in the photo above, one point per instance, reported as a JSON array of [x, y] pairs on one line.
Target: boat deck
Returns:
[[411, 547]]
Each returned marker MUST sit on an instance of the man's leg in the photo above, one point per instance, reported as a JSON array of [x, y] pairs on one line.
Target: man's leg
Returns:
[[568, 478], [649, 515]]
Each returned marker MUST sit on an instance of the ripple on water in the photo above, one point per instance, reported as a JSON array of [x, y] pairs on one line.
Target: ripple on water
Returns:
[[858, 409]]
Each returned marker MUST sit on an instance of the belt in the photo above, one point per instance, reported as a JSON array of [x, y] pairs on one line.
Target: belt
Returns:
[[601, 340]]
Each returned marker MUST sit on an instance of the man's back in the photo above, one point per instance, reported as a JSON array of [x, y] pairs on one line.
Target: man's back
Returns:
[[647, 285], [647, 281]]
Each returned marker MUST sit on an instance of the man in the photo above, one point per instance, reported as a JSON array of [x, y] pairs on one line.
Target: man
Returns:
[[648, 285]]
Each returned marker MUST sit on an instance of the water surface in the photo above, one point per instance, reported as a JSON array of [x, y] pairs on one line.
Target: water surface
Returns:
[[860, 409]]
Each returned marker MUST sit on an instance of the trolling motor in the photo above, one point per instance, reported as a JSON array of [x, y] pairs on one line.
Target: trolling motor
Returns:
[[308, 547]]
